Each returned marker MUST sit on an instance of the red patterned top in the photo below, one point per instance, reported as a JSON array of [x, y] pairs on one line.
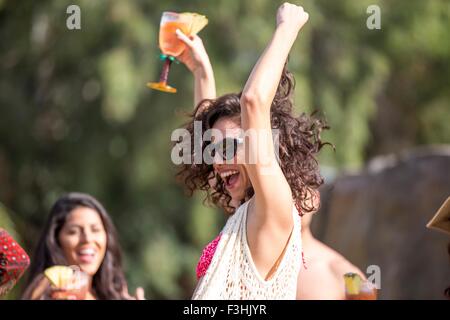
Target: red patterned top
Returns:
[[13, 262]]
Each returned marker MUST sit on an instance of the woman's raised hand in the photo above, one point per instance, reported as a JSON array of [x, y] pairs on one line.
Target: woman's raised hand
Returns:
[[294, 17], [194, 57], [197, 61]]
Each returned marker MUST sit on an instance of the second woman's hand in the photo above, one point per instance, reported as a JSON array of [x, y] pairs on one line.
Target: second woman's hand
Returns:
[[138, 296]]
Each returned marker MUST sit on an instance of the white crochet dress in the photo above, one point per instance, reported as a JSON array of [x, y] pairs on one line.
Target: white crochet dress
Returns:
[[232, 275]]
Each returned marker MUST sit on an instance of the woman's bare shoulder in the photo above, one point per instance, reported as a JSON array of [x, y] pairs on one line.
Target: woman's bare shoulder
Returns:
[[323, 278], [341, 266], [336, 262]]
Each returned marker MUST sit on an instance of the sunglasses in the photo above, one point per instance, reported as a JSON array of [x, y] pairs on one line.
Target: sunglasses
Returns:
[[226, 148]]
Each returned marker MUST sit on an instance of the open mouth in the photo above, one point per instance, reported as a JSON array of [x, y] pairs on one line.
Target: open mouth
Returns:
[[87, 255], [230, 178]]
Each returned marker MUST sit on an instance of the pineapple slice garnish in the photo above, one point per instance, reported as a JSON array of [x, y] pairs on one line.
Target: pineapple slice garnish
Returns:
[[352, 283], [197, 21], [59, 276]]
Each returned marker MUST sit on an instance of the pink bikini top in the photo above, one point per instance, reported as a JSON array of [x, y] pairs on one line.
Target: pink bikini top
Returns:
[[208, 254], [206, 257], [210, 249]]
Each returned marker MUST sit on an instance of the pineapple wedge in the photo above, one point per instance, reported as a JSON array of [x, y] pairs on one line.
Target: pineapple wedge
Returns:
[[59, 276], [352, 283], [197, 21]]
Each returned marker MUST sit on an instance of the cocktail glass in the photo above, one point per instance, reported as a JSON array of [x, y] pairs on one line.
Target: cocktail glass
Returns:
[[74, 287], [358, 289], [170, 45]]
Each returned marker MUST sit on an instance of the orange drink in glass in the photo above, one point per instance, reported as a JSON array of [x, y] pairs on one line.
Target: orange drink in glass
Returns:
[[358, 289], [168, 41], [170, 45], [67, 282]]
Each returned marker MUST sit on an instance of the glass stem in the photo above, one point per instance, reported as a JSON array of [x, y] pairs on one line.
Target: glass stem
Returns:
[[165, 71]]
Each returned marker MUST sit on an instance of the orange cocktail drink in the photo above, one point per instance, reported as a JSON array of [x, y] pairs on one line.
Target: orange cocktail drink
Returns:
[[358, 289], [170, 45], [67, 282], [168, 41]]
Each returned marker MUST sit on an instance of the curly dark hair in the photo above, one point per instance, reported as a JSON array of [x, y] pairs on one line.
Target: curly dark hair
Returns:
[[299, 142]]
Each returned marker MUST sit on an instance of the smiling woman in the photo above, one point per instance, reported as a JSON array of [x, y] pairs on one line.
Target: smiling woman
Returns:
[[79, 232], [267, 178]]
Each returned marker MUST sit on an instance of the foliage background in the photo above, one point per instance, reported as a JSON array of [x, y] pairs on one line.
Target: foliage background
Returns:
[[75, 113]]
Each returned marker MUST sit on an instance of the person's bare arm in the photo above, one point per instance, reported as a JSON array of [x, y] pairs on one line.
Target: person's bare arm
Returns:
[[270, 221], [342, 266], [197, 61]]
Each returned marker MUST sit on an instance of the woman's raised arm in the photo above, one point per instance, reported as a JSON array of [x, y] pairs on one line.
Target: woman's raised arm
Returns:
[[262, 84], [197, 61], [272, 192], [270, 219]]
